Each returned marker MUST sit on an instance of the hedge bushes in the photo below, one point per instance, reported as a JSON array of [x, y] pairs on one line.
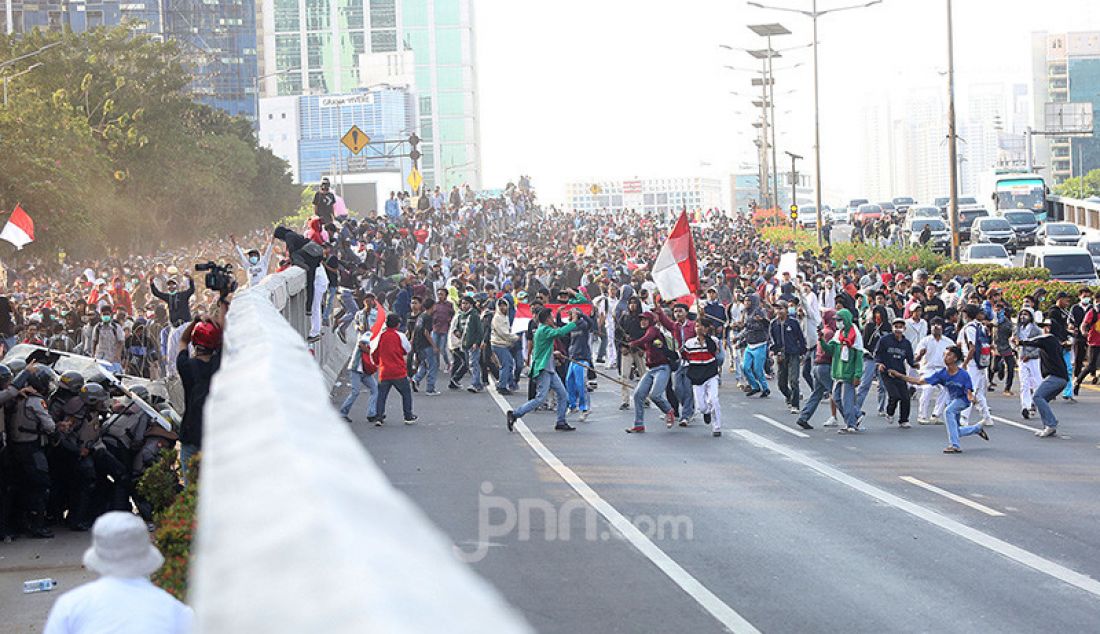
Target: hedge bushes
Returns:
[[904, 258], [952, 269], [1015, 290], [1002, 274]]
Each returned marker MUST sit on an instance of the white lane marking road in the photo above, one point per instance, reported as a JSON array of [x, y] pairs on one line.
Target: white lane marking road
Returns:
[[710, 602], [951, 496], [1015, 424], [999, 546], [779, 425]]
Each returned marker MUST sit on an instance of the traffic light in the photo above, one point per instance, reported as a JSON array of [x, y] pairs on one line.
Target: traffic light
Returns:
[[414, 153], [794, 212]]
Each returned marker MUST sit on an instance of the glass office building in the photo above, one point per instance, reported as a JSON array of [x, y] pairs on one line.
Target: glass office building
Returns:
[[82, 15], [315, 47]]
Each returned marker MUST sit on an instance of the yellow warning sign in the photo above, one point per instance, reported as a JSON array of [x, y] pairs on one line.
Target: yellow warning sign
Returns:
[[355, 140]]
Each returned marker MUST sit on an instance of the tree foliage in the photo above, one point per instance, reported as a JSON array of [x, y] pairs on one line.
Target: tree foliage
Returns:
[[1080, 187], [105, 148]]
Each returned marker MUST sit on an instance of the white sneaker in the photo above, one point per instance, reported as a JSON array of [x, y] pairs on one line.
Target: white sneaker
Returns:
[[924, 421], [1046, 432], [584, 416], [831, 422], [988, 422], [794, 410]]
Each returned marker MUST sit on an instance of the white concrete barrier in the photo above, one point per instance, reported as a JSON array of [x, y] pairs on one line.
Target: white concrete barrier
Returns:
[[298, 530]]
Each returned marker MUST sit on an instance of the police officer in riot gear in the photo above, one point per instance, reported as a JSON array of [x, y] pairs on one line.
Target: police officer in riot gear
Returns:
[[122, 436], [82, 440], [28, 426], [7, 490], [65, 406]]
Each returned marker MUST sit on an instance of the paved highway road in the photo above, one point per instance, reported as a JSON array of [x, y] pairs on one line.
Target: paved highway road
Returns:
[[767, 527]]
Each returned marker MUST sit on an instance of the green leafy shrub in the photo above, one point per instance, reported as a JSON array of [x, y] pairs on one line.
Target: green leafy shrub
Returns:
[[174, 534], [1005, 274], [953, 269], [1015, 290]]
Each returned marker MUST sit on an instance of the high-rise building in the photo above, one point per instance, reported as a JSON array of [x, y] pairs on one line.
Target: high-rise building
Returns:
[[305, 130], [218, 40], [143, 16], [1065, 68], [651, 195], [335, 46]]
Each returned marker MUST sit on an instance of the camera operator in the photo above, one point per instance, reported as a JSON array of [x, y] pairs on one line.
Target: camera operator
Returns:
[[307, 255], [204, 336]]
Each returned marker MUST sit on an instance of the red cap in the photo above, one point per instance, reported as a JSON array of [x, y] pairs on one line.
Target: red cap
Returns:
[[207, 335]]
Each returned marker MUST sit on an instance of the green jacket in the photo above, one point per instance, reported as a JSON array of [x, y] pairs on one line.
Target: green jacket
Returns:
[[543, 349], [851, 369], [473, 333]]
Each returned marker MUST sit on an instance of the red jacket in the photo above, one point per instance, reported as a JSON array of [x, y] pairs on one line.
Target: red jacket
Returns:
[[389, 354]]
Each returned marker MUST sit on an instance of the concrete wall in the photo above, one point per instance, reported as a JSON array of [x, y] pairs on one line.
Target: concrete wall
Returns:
[[299, 531], [1080, 212]]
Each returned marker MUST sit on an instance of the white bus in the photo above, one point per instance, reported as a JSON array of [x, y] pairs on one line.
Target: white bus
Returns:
[[1016, 191]]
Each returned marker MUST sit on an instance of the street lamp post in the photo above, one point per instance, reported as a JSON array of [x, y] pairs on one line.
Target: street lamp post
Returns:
[[8, 78], [952, 140], [814, 14]]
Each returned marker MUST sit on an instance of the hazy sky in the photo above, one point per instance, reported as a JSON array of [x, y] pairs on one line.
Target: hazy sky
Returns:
[[574, 90]]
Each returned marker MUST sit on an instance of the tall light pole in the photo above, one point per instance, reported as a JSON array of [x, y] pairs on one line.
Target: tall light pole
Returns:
[[952, 140], [767, 31], [8, 78], [814, 14]]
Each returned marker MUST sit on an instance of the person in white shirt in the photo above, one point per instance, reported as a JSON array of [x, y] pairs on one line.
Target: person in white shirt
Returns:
[[255, 264], [976, 345], [929, 354], [122, 600]]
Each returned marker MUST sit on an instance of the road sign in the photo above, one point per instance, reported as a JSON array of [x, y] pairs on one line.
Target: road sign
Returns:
[[595, 189], [415, 179], [355, 140]]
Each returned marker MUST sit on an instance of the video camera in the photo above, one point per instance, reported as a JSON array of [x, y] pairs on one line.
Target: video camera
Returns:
[[219, 277]]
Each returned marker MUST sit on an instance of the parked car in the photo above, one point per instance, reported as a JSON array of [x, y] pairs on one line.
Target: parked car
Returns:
[[853, 207], [1066, 264], [941, 237], [867, 212], [986, 254], [903, 203], [994, 230], [1058, 234], [888, 208], [943, 202], [1025, 224], [966, 220], [1092, 245]]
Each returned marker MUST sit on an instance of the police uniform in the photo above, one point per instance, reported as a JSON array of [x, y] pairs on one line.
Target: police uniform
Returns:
[[29, 423], [121, 437], [64, 454], [7, 489]]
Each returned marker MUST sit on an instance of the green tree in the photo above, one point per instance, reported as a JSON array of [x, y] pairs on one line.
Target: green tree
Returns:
[[106, 149], [1080, 187]]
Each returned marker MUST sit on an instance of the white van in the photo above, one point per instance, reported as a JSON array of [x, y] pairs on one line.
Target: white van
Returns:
[[1066, 264]]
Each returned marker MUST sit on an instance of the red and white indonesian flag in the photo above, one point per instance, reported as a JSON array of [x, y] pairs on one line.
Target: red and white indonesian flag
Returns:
[[676, 271], [19, 230], [522, 319]]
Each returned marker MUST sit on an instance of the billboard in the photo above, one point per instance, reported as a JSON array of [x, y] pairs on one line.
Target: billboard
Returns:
[[1068, 118]]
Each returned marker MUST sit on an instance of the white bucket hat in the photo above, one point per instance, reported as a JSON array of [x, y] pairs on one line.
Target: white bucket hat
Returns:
[[121, 547]]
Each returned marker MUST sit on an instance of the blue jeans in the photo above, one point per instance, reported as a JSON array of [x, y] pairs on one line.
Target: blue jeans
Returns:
[[473, 357], [951, 415], [753, 365], [1045, 393], [428, 366], [507, 371], [440, 339], [870, 371], [358, 382], [186, 451], [576, 386], [652, 385], [403, 388], [844, 393], [823, 380], [517, 363], [347, 302], [685, 394], [546, 381], [1067, 355]]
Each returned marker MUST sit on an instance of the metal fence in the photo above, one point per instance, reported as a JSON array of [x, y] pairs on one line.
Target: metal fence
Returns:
[[298, 529]]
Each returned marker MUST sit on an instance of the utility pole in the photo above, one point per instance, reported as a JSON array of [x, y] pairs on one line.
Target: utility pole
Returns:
[[794, 179], [952, 139], [817, 139], [769, 88]]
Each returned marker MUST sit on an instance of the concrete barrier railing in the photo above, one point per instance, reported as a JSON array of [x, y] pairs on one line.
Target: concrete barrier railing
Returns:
[[299, 531], [1085, 213]]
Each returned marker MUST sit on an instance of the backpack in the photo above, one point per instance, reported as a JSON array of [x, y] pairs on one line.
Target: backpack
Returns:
[[983, 351], [672, 354]]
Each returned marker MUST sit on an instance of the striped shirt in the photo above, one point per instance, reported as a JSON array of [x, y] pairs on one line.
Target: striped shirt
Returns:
[[700, 355]]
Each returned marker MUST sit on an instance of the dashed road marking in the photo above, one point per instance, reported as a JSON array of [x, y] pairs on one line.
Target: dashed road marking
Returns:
[[951, 496]]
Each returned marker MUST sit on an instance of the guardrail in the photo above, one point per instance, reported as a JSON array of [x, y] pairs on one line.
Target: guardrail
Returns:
[[298, 529], [1080, 212]]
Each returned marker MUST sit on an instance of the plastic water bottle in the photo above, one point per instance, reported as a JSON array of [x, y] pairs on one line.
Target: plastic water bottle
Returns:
[[39, 585]]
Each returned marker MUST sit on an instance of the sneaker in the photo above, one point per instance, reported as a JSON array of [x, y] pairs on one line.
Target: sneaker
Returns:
[[1008, 393], [378, 422], [882, 414], [453, 386], [831, 422], [584, 416], [889, 419], [904, 425], [752, 392], [765, 394], [706, 418], [670, 417], [637, 429], [859, 419], [848, 430], [981, 432], [411, 419], [475, 390], [716, 434], [314, 338], [1069, 399], [511, 417], [924, 421], [503, 391], [342, 335], [988, 422], [793, 409], [1046, 432], [431, 393], [804, 425], [1025, 413], [564, 427], [415, 386], [571, 411], [624, 406]]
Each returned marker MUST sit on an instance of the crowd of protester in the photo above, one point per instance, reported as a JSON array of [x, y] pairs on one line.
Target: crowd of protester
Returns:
[[469, 293]]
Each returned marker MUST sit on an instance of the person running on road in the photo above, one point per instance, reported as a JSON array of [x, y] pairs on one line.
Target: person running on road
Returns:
[[700, 356], [1055, 375], [895, 354], [846, 348], [961, 396], [655, 380], [542, 369]]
